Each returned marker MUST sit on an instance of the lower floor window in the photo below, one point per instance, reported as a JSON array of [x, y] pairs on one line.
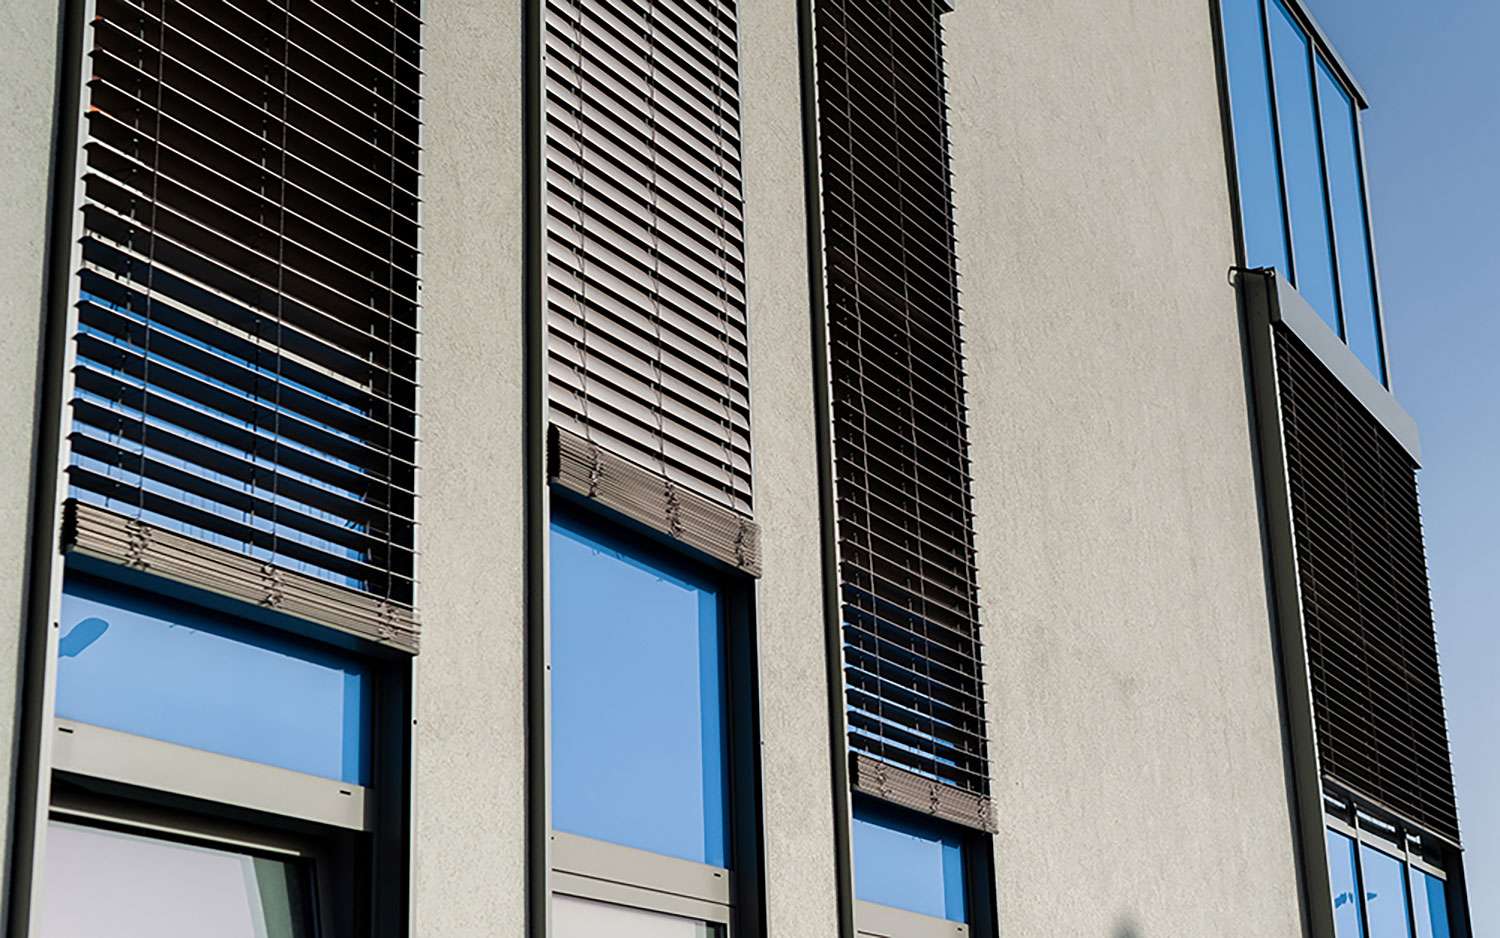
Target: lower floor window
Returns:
[[1380, 892], [906, 861], [107, 882]]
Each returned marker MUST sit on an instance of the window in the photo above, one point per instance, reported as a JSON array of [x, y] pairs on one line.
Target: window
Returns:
[[641, 723], [1343, 876], [193, 731], [1299, 161], [179, 673], [1384, 883], [638, 717], [909, 862], [1429, 903], [109, 882]]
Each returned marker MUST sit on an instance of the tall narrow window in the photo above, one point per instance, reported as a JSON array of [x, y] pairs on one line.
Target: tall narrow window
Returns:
[[648, 411], [913, 681], [641, 731], [237, 618], [1306, 187], [1258, 155], [638, 716], [1303, 204]]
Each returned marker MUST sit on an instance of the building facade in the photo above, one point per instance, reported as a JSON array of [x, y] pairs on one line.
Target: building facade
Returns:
[[694, 467]]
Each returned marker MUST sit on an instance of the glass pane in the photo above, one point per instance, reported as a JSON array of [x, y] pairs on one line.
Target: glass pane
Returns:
[[154, 667], [584, 918], [1346, 187], [908, 862], [1256, 160], [1385, 893], [1429, 902], [1341, 876], [1312, 249], [100, 882], [638, 715]]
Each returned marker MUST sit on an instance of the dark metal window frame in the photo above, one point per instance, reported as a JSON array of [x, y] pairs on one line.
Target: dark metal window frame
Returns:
[[882, 921], [1319, 47], [143, 773], [324, 857], [593, 869], [1370, 825]]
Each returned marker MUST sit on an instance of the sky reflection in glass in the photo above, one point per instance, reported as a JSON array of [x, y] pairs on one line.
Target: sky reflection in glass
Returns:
[[638, 713]]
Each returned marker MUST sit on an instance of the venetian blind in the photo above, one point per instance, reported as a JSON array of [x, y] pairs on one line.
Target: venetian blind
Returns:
[[245, 356], [1362, 570], [905, 522], [645, 281]]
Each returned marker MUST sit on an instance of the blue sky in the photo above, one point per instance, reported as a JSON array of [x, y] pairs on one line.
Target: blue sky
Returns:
[[1432, 136]]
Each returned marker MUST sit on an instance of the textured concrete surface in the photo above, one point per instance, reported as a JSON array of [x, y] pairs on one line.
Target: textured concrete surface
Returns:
[[28, 71], [800, 878], [1137, 745], [470, 775]]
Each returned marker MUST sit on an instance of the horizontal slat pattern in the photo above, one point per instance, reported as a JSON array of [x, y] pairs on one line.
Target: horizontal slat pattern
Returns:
[[645, 238], [245, 361], [114, 538], [905, 524], [653, 500], [1371, 648]]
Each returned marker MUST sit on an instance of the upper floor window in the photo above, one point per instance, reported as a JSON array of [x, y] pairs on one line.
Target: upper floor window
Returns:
[[1299, 159]]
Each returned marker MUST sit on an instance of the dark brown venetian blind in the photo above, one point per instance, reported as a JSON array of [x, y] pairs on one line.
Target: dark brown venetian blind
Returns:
[[645, 257], [1371, 649], [245, 356], [905, 522]]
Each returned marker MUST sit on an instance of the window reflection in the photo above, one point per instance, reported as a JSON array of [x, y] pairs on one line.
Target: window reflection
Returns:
[[132, 662], [638, 707], [1429, 904], [1342, 878], [908, 862], [1385, 893]]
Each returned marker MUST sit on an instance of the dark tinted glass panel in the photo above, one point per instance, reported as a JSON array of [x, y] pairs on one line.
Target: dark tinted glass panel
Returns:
[[1385, 893], [1429, 903], [1256, 159], [100, 882], [908, 862], [1311, 245], [1346, 188], [638, 714], [1342, 878], [170, 671]]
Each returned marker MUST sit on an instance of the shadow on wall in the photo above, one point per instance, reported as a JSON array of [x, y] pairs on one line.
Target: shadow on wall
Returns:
[[1127, 929]]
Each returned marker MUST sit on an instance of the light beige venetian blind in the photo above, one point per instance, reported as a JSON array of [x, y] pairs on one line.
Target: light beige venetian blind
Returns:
[[645, 298]]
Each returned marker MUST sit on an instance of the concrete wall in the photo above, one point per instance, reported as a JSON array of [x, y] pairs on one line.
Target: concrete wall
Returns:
[[470, 774], [29, 46], [1138, 752], [799, 861]]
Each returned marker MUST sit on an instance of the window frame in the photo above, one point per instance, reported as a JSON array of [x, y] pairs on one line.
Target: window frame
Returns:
[[879, 920], [587, 868], [324, 856], [1369, 827], [360, 832], [1320, 48]]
